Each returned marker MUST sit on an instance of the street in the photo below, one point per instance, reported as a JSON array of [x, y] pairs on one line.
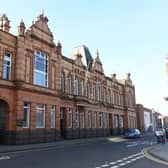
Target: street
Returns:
[[111, 153]]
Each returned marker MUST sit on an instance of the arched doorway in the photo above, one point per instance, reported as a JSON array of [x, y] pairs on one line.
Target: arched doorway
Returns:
[[4, 108]]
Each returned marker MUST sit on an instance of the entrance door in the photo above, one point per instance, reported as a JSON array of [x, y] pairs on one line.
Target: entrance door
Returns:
[[3, 117], [62, 121]]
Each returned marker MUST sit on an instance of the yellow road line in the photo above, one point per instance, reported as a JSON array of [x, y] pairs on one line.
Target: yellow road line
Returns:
[[153, 158]]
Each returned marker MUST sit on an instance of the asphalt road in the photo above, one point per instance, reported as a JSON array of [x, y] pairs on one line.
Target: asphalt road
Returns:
[[112, 153]]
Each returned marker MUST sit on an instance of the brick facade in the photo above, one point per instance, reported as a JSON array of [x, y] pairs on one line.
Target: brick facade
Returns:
[[87, 103]]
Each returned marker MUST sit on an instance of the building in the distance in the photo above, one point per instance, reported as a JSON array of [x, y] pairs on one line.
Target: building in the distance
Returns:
[[144, 118], [149, 119], [45, 96]]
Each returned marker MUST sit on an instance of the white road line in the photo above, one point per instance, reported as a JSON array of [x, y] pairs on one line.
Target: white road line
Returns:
[[122, 164], [131, 156], [115, 166], [123, 161], [4, 157], [118, 161], [105, 165], [132, 160], [112, 163], [125, 158], [128, 161]]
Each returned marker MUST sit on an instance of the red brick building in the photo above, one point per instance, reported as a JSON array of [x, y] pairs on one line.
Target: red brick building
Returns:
[[145, 118], [45, 96]]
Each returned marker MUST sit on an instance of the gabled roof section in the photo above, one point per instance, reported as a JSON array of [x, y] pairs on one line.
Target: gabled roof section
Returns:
[[97, 65], [41, 23], [40, 28]]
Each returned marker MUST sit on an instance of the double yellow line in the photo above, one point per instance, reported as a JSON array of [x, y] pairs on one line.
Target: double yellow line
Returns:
[[153, 158]]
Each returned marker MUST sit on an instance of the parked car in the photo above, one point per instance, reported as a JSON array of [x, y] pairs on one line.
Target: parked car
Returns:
[[133, 133]]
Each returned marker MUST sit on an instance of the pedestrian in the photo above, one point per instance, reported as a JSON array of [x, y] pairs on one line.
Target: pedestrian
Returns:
[[162, 133], [158, 135]]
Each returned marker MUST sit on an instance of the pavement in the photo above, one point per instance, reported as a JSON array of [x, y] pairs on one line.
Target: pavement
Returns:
[[157, 152]]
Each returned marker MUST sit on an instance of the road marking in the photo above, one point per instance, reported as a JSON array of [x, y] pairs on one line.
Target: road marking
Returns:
[[112, 163], [122, 162], [136, 143], [105, 165], [118, 161], [153, 158], [115, 166], [5, 157]]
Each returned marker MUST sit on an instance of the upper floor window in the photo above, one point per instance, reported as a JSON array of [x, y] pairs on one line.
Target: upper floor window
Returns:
[[113, 98], [94, 92], [82, 87], [99, 91], [7, 65], [104, 94], [76, 87], [69, 86], [40, 68], [119, 98], [62, 82], [88, 90], [108, 95]]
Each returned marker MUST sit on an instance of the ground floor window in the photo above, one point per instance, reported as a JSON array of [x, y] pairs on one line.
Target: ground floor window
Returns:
[[132, 122], [100, 120], [95, 119], [40, 116], [121, 121], [77, 119], [69, 118], [115, 121], [82, 120], [52, 117], [89, 120], [26, 115]]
